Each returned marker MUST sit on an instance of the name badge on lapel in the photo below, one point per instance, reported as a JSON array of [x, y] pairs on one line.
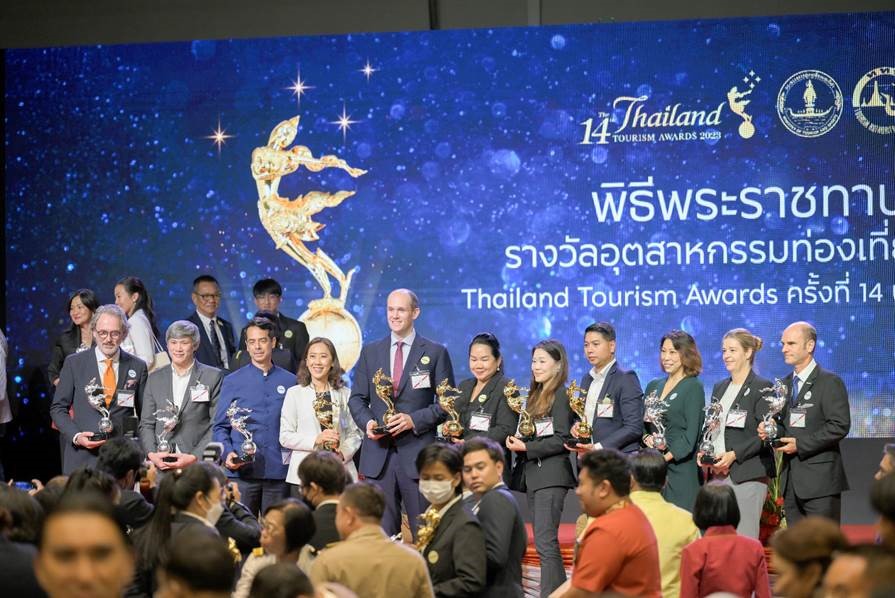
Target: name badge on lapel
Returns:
[[420, 379], [797, 418], [736, 418], [606, 408], [125, 398], [479, 421], [544, 427], [199, 393]]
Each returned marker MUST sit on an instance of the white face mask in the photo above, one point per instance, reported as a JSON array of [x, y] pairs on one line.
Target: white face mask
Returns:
[[437, 492], [214, 512]]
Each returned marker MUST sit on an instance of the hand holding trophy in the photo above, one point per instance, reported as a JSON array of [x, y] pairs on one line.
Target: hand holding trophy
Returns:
[[447, 397], [581, 431], [384, 390], [96, 396], [775, 397], [516, 400]]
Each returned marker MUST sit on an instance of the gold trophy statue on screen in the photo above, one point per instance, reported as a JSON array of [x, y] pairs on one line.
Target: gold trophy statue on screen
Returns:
[[290, 224]]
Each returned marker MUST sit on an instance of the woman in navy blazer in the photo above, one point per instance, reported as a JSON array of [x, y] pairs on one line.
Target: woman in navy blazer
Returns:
[[547, 466], [741, 459]]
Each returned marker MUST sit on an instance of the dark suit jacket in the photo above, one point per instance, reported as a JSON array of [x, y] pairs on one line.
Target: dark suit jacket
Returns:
[[193, 430], [456, 555], [754, 459], [293, 338], [816, 469], [239, 523], [67, 344], [546, 460], [17, 570], [505, 542], [503, 419], [77, 372], [325, 527], [133, 510], [624, 429], [206, 353], [420, 404]]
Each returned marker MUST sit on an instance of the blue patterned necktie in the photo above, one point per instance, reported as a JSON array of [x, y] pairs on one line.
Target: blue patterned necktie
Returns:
[[795, 391]]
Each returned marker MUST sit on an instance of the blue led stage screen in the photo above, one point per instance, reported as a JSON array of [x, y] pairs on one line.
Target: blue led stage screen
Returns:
[[694, 174]]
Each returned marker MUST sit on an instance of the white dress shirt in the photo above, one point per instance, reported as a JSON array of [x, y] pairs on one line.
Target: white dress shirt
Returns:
[[726, 403], [804, 374], [593, 391], [206, 321], [180, 383]]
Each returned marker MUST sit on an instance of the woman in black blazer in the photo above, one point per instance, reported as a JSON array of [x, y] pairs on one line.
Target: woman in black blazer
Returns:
[[741, 459], [449, 537], [547, 468], [482, 406], [77, 337]]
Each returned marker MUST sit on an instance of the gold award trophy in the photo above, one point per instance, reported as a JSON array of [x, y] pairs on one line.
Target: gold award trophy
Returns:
[[516, 401], [290, 225], [581, 431], [324, 412], [447, 396], [384, 391]]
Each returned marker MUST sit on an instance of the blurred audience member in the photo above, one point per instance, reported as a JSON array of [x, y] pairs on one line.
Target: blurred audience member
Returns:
[[722, 560], [673, 525], [860, 571], [122, 458], [27, 514], [887, 463], [197, 566], [83, 551], [281, 580], [882, 497], [801, 555], [16, 563], [322, 477], [89, 479], [236, 521], [286, 529]]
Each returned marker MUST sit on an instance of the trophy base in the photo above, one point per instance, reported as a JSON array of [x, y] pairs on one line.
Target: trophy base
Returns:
[[776, 443], [707, 460], [245, 458], [97, 436], [576, 441], [526, 438], [169, 459], [380, 430]]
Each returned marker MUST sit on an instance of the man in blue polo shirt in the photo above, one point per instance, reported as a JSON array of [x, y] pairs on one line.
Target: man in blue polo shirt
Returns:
[[258, 388]]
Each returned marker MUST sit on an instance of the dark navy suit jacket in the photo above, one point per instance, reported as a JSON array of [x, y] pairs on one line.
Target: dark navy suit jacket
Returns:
[[624, 429], [421, 404], [206, 353]]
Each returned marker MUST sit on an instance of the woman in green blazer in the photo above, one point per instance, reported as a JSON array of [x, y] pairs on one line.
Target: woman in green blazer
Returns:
[[683, 392]]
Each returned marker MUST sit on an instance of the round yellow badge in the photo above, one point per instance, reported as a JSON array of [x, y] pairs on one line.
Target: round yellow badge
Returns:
[[288, 334], [425, 361], [433, 557]]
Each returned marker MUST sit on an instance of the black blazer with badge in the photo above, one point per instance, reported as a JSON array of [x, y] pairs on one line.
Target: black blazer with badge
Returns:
[[505, 542], [193, 429], [206, 353], [79, 370], [293, 338], [456, 554], [816, 469], [546, 459], [490, 400], [754, 459], [624, 429]]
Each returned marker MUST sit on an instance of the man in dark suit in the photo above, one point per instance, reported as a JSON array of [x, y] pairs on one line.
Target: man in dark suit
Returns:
[[216, 346], [614, 405], [498, 513], [815, 419], [268, 295], [323, 477], [416, 366], [183, 394], [119, 376], [121, 458], [282, 357]]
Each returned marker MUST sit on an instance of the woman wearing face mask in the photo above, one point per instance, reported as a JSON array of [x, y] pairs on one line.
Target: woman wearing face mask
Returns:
[[741, 459], [321, 396], [682, 390], [449, 538], [189, 501], [547, 469], [286, 527], [142, 337], [482, 406]]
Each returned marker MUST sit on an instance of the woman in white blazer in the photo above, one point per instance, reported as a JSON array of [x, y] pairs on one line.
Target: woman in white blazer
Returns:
[[131, 296], [320, 381]]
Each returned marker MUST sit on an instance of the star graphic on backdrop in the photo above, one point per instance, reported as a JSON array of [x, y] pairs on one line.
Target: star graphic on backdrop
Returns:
[[299, 87], [368, 70], [344, 122], [219, 136]]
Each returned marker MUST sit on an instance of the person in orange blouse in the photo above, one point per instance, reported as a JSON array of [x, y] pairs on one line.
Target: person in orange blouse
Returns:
[[722, 560]]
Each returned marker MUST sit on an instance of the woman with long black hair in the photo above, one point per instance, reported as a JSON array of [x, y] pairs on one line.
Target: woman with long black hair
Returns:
[[132, 296], [78, 336]]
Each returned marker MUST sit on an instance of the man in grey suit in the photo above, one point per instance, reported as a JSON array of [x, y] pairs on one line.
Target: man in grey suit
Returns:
[[180, 402], [118, 375]]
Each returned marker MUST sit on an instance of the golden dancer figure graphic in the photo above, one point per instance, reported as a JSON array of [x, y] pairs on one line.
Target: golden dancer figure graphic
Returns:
[[738, 106], [291, 225]]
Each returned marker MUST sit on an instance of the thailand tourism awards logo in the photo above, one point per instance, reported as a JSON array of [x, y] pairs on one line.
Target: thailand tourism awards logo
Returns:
[[873, 100], [809, 103], [737, 101]]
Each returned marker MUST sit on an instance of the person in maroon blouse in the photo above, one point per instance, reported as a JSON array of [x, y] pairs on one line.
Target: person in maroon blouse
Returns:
[[722, 561]]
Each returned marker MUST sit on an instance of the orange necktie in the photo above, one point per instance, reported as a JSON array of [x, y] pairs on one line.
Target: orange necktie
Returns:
[[109, 383]]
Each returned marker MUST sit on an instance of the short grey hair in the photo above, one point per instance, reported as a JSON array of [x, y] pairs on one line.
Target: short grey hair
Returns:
[[114, 310], [183, 329]]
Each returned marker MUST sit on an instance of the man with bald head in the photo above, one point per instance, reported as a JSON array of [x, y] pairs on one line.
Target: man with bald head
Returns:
[[416, 366], [815, 419]]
